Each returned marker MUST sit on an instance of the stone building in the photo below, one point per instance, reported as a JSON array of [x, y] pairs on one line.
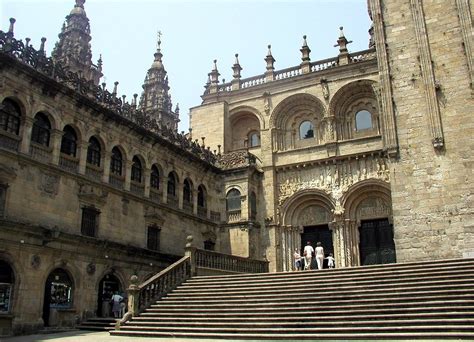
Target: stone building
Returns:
[[368, 152]]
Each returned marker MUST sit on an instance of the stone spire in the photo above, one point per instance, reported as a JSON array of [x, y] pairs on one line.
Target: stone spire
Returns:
[[155, 99], [73, 49]]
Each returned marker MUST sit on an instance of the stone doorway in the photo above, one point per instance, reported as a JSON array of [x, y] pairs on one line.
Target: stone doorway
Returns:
[[58, 292], [376, 242], [318, 233], [108, 285]]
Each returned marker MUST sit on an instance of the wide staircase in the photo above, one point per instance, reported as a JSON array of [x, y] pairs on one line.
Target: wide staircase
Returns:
[[425, 300]]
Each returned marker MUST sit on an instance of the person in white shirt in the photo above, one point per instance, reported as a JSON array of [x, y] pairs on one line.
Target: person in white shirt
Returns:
[[297, 258], [116, 299], [308, 255], [319, 255], [330, 261]]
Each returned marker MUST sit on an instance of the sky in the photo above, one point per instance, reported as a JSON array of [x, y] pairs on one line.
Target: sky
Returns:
[[194, 33]]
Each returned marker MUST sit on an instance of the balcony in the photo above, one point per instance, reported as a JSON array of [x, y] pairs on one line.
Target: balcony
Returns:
[[68, 163]]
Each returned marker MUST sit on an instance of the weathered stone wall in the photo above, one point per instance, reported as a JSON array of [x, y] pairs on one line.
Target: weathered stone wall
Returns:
[[432, 187]]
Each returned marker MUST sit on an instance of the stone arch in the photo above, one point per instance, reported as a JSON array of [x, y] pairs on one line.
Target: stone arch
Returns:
[[53, 117], [7, 258], [364, 191], [347, 101], [300, 203], [242, 121], [288, 116], [19, 101], [251, 110]]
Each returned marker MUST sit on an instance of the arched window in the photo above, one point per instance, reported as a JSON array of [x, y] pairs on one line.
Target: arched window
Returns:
[[94, 152], [233, 200], [154, 178], [137, 170], [363, 120], [6, 286], [306, 130], [201, 200], [59, 289], [171, 184], [254, 139], [69, 141], [187, 192], [41, 130], [116, 162], [10, 114], [253, 205]]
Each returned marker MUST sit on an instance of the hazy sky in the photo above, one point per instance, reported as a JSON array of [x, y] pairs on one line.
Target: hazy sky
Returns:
[[194, 34]]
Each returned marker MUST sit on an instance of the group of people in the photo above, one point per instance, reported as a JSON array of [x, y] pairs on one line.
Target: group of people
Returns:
[[308, 252]]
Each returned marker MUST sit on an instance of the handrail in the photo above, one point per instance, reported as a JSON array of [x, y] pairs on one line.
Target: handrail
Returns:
[[162, 273], [227, 262]]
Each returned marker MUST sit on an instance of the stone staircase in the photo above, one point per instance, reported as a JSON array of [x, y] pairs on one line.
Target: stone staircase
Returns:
[[98, 324], [425, 300]]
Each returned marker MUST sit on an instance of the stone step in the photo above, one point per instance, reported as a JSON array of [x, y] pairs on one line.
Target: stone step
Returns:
[[326, 277], [439, 265], [98, 324], [323, 300], [306, 316], [302, 292], [371, 335], [345, 311], [271, 307], [330, 298]]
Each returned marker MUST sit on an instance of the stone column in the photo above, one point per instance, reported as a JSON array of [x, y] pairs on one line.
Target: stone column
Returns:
[[146, 181], [56, 136], [127, 172], [83, 147], [195, 201], [26, 135], [106, 161], [179, 193], [133, 296]]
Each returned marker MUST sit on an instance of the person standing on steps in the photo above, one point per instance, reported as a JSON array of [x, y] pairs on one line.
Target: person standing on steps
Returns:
[[308, 255], [116, 308], [297, 258], [319, 255], [330, 261]]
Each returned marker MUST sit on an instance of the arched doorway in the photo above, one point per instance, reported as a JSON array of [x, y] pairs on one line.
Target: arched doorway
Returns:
[[108, 285], [6, 287], [310, 212], [368, 204], [58, 294]]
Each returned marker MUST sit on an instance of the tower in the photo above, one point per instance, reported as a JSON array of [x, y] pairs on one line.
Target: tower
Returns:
[[155, 99], [73, 49]]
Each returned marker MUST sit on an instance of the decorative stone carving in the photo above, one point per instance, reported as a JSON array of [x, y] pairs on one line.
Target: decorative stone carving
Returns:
[[92, 195], [267, 106], [333, 179], [373, 207], [325, 88], [236, 159], [49, 184], [311, 216], [35, 261], [90, 268]]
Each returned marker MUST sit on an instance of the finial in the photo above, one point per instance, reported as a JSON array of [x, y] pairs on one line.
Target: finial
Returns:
[[214, 74], [158, 43], [215, 64], [203, 138], [304, 41], [80, 3], [27, 42], [305, 50], [176, 109], [43, 40], [12, 26], [99, 63], [114, 92], [134, 101], [270, 60], [342, 42], [236, 68]]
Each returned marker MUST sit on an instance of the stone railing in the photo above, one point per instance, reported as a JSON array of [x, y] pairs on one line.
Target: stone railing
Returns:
[[215, 216], [68, 163], [172, 201], [9, 141], [41, 153], [116, 181], [324, 64], [140, 296], [137, 188], [155, 196], [226, 262], [252, 81], [288, 72], [94, 172], [364, 55], [202, 211], [234, 216]]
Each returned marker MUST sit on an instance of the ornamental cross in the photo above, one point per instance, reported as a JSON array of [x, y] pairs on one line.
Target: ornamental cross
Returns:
[[159, 34]]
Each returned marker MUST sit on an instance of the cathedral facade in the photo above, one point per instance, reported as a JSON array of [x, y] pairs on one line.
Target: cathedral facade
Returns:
[[368, 152]]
